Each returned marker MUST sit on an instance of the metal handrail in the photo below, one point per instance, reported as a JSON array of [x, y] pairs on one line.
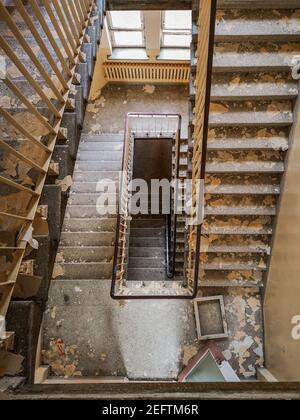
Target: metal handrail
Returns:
[[170, 235]]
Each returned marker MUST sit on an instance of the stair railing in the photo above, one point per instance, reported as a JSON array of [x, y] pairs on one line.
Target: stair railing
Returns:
[[171, 218], [205, 48], [28, 139], [145, 125]]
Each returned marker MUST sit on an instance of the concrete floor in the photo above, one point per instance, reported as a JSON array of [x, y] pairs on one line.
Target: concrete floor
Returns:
[[102, 337], [86, 333], [107, 113]]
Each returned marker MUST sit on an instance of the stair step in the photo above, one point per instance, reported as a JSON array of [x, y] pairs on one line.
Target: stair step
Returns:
[[86, 188], [81, 211], [88, 166], [114, 146], [227, 283], [246, 167], [233, 266], [228, 59], [238, 249], [226, 210], [236, 230], [99, 156], [244, 275], [147, 223], [90, 199], [248, 144], [147, 242], [103, 224], [146, 252], [147, 232], [104, 137], [146, 262], [149, 274], [250, 118], [85, 254], [259, 24], [240, 87], [243, 189], [159, 288], [91, 270], [92, 176], [87, 239]]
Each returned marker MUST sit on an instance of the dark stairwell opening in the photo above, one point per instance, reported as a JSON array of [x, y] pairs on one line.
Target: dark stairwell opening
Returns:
[[148, 237]]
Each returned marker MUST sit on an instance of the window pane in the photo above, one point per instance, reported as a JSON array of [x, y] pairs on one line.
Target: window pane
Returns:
[[171, 40], [126, 20], [178, 19], [175, 54], [128, 39]]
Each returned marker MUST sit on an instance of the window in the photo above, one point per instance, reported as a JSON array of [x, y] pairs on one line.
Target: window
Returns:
[[126, 28], [176, 28]]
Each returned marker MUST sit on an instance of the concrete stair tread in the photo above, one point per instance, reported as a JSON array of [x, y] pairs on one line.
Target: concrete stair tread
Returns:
[[251, 118], [148, 274], [145, 262], [116, 146], [227, 283], [91, 176], [88, 166], [252, 90], [87, 238], [233, 230], [232, 275], [231, 266], [226, 210], [88, 199], [248, 144], [261, 24], [252, 61], [85, 188], [90, 211], [243, 189], [104, 137], [147, 231], [89, 224], [249, 167], [242, 249], [77, 270], [99, 156]]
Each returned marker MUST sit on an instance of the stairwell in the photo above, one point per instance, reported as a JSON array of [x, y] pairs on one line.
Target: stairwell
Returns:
[[253, 95], [147, 249]]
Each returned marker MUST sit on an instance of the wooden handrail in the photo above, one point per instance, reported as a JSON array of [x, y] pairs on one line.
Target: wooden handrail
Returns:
[[120, 252], [205, 49]]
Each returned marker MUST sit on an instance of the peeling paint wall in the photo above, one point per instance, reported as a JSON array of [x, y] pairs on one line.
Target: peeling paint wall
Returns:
[[282, 300]]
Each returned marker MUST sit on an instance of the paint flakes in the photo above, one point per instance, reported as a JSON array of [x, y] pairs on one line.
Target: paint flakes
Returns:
[[189, 351], [216, 108], [150, 89]]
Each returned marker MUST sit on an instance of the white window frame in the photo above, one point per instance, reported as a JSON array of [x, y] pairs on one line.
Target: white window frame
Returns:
[[172, 31], [113, 29]]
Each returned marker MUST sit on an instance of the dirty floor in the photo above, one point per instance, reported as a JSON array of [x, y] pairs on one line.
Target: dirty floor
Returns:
[[86, 333]]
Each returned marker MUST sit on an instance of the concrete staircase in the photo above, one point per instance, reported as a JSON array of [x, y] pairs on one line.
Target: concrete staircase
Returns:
[[24, 316], [147, 249], [87, 239], [252, 100]]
